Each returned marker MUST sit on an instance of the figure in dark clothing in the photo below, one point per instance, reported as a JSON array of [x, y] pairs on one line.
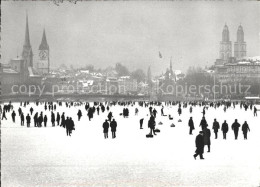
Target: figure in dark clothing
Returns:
[[109, 116], [19, 111], [224, 129], [62, 120], [136, 111], [191, 125], [102, 108], [245, 129], [215, 127], [255, 111], [141, 123], [58, 119], [105, 128], [151, 110], [204, 112], [235, 127], [113, 126], [154, 113], [151, 125], [90, 114], [199, 145], [206, 136], [45, 120], [28, 120], [71, 126], [13, 116], [4, 115], [79, 115], [126, 112], [31, 110], [35, 118], [203, 123], [40, 120], [191, 109], [162, 113], [52, 119], [98, 110], [179, 111], [67, 126], [22, 119]]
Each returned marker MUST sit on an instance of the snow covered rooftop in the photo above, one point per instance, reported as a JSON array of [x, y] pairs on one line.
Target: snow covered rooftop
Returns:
[[244, 62], [9, 70]]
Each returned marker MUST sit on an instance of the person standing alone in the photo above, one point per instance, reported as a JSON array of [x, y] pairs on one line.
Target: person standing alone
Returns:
[[191, 125], [215, 128]]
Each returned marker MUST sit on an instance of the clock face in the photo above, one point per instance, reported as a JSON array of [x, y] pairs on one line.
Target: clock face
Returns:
[[43, 55]]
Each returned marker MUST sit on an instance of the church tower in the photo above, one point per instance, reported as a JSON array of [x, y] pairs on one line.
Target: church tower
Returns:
[[43, 65], [240, 44], [225, 45], [27, 53]]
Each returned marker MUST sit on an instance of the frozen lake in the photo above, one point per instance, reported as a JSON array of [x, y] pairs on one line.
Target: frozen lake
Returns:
[[47, 157]]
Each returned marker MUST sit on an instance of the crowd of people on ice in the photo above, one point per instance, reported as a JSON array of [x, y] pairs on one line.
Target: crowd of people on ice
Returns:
[[203, 139]]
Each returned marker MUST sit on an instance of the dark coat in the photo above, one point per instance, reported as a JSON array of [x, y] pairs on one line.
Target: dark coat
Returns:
[[28, 119], [203, 123], [215, 126], [113, 126], [151, 124], [224, 127], [105, 127], [206, 136], [191, 124], [235, 126], [245, 128], [45, 119], [199, 144]]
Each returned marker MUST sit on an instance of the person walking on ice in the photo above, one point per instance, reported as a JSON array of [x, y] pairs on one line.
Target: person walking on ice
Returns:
[[235, 127], [224, 129], [245, 129], [199, 145], [215, 128], [255, 111], [28, 120]]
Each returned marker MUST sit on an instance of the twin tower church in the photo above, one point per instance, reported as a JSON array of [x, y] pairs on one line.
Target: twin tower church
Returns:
[[42, 63], [225, 54]]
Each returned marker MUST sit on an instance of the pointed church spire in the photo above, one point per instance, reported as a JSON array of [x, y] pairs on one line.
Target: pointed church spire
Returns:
[[27, 53], [27, 36], [44, 45]]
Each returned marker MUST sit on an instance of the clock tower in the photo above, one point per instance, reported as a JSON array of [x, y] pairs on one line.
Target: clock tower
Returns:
[[43, 65]]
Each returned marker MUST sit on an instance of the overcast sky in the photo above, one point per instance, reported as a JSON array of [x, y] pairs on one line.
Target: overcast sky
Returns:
[[133, 33]]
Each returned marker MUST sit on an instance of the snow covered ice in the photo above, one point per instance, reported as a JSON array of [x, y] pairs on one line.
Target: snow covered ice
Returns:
[[48, 157]]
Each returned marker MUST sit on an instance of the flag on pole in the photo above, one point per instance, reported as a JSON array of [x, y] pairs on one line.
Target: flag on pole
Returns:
[[160, 55]]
